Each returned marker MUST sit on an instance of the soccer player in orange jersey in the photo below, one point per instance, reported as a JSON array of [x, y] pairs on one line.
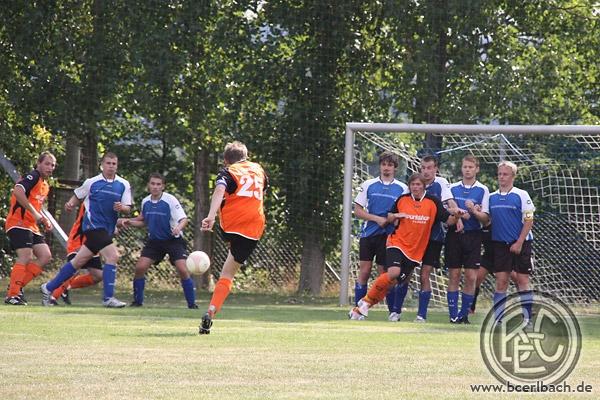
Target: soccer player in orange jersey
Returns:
[[24, 216], [93, 266], [415, 214], [238, 195]]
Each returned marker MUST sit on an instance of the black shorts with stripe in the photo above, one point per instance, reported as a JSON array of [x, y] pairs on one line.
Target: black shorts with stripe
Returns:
[[373, 247]]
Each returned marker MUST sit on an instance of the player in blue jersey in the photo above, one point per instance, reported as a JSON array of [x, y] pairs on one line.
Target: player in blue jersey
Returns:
[[165, 218], [104, 196], [511, 211], [440, 188], [463, 248], [375, 199]]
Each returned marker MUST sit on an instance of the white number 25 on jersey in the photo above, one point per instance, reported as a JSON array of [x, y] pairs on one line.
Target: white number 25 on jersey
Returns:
[[251, 187]]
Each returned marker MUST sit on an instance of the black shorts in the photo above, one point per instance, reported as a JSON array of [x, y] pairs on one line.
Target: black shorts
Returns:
[[157, 249], [432, 254], [505, 261], [93, 262], [241, 247], [396, 258], [373, 247], [96, 240], [23, 238], [463, 250], [487, 258]]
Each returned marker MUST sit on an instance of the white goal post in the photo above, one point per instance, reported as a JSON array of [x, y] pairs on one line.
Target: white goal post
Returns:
[[440, 129]]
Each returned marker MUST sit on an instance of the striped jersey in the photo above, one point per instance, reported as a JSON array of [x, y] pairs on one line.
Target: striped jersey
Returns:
[[162, 215], [99, 196], [378, 198], [439, 188], [478, 193], [508, 212]]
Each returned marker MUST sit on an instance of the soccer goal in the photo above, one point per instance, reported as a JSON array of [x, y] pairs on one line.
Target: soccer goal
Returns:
[[559, 165]]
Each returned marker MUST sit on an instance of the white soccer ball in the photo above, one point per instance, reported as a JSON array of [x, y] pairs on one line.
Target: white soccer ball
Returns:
[[197, 262]]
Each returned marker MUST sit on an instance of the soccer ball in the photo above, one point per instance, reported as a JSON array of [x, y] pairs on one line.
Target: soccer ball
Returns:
[[197, 262]]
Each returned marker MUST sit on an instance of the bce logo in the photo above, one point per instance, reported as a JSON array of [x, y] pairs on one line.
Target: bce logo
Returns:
[[544, 348]]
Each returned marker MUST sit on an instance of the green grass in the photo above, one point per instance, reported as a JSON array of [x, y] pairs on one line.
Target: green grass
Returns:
[[261, 347]]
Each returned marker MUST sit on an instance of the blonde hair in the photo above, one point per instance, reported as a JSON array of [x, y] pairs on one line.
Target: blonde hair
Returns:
[[508, 164]]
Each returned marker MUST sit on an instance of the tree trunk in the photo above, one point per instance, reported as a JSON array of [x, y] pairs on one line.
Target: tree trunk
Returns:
[[202, 240], [312, 265], [70, 175], [90, 155]]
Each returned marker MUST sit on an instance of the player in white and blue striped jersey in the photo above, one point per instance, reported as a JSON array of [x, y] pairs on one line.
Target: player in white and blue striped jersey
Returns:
[[165, 220], [104, 196], [511, 211], [463, 247], [375, 199]]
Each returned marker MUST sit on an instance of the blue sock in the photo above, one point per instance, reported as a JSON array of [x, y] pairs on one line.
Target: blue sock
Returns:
[[423, 303], [467, 300], [360, 291], [64, 273], [452, 298], [138, 289], [527, 300], [390, 298], [402, 291], [188, 291], [499, 304], [109, 275]]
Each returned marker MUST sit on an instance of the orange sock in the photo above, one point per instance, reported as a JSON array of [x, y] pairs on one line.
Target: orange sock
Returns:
[[222, 289], [32, 270], [81, 281], [17, 275], [379, 289]]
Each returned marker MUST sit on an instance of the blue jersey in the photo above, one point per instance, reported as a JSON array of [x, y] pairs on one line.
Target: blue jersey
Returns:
[[439, 188], [378, 198], [161, 216], [99, 196], [507, 211], [478, 193]]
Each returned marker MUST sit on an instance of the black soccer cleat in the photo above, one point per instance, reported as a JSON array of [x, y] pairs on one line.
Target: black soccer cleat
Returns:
[[66, 297], [193, 306], [136, 304], [22, 297], [14, 301], [464, 320], [205, 324]]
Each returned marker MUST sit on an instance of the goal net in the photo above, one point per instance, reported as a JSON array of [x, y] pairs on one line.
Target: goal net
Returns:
[[558, 165]]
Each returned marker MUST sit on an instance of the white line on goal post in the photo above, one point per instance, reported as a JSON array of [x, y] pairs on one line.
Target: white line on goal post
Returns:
[[353, 127]]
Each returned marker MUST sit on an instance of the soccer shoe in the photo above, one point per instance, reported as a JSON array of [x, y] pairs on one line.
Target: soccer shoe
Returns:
[[455, 320], [22, 296], [355, 315], [112, 302], [14, 301], [53, 301], [363, 308], [193, 306], [420, 320], [205, 324], [66, 297], [394, 317], [136, 304], [464, 320], [46, 294]]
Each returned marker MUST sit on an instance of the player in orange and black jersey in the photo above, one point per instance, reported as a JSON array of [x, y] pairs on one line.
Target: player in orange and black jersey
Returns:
[[93, 266], [416, 214], [238, 195], [24, 216]]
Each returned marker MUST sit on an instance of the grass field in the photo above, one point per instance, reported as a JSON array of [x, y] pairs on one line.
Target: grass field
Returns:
[[261, 347]]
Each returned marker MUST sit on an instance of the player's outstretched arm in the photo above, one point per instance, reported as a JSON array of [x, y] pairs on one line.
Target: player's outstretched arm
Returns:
[[215, 203]]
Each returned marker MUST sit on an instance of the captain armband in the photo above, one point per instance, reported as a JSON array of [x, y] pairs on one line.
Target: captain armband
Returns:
[[528, 216]]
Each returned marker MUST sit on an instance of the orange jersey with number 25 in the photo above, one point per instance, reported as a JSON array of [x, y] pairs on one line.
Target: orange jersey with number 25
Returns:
[[242, 210]]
